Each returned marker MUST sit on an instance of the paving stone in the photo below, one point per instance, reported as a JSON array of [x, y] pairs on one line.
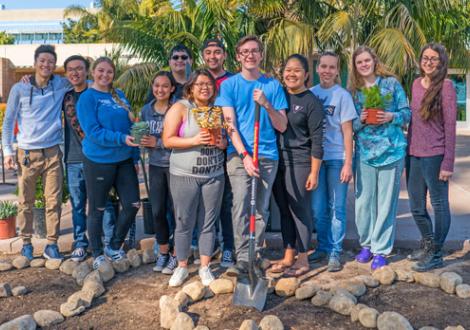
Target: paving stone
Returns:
[[449, 281], [393, 321], [53, 264], [47, 318], [25, 322], [271, 322]]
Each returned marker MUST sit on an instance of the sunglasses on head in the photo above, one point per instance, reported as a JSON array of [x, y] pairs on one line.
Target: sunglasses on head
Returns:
[[177, 57]]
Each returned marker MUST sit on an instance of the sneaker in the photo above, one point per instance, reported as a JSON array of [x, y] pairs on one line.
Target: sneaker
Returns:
[[241, 267], [425, 247], [317, 256], [170, 266], [431, 261], [27, 251], [114, 255], [162, 260], [195, 253], [78, 254], [52, 252], [227, 259], [98, 262], [206, 275], [378, 262], [364, 255], [334, 264], [178, 277]]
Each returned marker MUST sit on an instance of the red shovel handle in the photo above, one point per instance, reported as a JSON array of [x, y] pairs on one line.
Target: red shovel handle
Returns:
[[253, 179]]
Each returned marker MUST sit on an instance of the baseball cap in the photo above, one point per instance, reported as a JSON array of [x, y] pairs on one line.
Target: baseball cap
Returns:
[[213, 42]]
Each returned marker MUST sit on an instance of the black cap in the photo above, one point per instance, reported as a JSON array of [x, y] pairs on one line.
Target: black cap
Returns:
[[213, 42]]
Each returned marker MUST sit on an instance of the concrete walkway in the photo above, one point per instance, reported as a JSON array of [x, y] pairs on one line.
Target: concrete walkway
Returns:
[[407, 234]]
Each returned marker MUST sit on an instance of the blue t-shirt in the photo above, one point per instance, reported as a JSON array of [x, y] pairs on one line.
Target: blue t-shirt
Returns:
[[339, 108], [237, 92], [105, 124]]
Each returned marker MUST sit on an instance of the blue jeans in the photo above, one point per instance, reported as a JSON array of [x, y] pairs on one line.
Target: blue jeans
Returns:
[[78, 197], [329, 207]]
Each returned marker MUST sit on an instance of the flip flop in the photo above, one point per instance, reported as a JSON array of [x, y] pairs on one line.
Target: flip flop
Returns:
[[296, 272]]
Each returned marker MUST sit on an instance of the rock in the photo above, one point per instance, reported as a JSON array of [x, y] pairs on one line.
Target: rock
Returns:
[[20, 263], [449, 281], [271, 322], [195, 290], [385, 275], [286, 287], [355, 287], [53, 264], [341, 304], [80, 298], [321, 298], [428, 279], [19, 291], [68, 266], [344, 293], [25, 322], [355, 312], [148, 256], [404, 275], [248, 325], [168, 311], [68, 310], [393, 321], [182, 299], [46, 318], [37, 263], [182, 322], [428, 328], [458, 327], [306, 291], [5, 290], [80, 272], [368, 317], [134, 258], [5, 265], [368, 281], [93, 284], [106, 271], [221, 285], [201, 327], [463, 291], [121, 266]]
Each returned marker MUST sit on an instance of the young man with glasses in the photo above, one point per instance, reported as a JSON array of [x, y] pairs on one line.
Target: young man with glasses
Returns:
[[238, 95]]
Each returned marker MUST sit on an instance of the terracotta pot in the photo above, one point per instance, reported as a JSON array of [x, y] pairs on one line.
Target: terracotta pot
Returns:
[[215, 133], [8, 227], [372, 116]]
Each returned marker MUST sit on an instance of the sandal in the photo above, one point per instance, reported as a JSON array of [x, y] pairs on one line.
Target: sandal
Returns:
[[279, 267], [296, 271]]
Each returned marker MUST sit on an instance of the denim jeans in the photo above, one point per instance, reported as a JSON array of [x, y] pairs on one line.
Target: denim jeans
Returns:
[[329, 207], [423, 176], [78, 197]]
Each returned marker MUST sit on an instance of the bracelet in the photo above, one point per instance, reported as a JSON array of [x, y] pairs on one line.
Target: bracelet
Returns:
[[243, 154]]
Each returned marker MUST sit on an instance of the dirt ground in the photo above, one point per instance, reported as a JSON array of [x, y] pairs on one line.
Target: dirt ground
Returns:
[[131, 300]]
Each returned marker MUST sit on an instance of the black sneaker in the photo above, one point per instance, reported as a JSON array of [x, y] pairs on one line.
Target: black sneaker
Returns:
[[431, 261], [424, 249], [227, 259]]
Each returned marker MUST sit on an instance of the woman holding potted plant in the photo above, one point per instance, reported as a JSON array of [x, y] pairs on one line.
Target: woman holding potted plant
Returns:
[[110, 158], [431, 153], [196, 171], [380, 153]]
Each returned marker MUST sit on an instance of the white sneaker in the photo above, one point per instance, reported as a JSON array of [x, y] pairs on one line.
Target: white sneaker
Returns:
[[178, 277], [206, 275]]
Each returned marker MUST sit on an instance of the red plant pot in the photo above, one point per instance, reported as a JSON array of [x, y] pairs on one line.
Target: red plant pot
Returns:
[[372, 116], [214, 133], [8, 227]]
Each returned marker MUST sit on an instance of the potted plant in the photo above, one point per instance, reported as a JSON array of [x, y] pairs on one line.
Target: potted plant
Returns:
[[8, 212], [209, 119], [139, 129], [374, 101]]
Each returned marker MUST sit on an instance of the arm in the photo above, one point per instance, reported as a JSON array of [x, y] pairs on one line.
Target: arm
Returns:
[[11, 114], [316, 122], [346, 171], [278, 118], [449, 112]]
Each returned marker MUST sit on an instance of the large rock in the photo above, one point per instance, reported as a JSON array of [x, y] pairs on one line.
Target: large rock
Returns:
[[19, 291], [306, 291], [368, 317], [195, 290], [69, 310], [5, 265], [341, 304], [449, 281], [428, 279], [25, 322], [355, 287], [182, 299], [80, 298], [404, 275], [271, 322], [345, 293], [286, 287], [321, 298], [93, 284], [221, 285], [121, 266], [169, 309], [37, 263], [428, 328], [148, 256], [385, 275], [182, 322], [80, 272], [53, 264], [47, 318], [248, 325], [393, 321], [201, 327], [368, 280], [463, 291], [5, 290], [68, 266], [134, 258], [458, 327], [355, 312], [20, 263], [106, 271]]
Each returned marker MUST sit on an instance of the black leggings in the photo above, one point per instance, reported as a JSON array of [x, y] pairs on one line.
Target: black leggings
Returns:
[[160, 199], [99, 179], [294, 201]]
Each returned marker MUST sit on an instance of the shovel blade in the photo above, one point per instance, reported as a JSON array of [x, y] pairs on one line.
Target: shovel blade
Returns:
[[252, 296]]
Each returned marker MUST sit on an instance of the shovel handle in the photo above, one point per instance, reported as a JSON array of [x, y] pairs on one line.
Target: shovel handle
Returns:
[[254, 179]]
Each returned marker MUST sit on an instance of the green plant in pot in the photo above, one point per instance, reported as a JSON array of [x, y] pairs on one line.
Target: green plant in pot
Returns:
[[139, 130], [374, 101], [8, 212]]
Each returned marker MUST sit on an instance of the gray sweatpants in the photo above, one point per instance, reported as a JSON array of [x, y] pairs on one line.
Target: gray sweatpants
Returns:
[[196, 201], [241, 188]]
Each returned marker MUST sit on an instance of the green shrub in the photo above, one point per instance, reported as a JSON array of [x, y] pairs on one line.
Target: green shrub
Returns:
[[373, 99], [8, 209]]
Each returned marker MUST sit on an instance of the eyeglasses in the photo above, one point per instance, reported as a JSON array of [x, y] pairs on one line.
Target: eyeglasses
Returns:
[[246, 52], [203, 84], [177, 57], [430, 59]]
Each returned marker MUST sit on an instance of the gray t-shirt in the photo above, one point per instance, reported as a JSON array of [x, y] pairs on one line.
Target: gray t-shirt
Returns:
[[339, 108], [200, 161]]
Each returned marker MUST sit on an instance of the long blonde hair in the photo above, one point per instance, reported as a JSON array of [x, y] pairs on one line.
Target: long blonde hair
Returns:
[[355, 81]]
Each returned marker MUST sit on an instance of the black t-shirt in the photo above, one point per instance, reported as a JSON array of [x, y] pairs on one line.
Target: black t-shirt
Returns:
[[73, 145], [303, 137]]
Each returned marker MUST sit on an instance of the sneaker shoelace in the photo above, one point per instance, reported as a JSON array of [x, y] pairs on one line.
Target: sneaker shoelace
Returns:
[[172, 263], [162, 260]]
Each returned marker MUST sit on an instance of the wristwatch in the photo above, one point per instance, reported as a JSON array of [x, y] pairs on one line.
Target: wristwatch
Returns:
[[243, 154]]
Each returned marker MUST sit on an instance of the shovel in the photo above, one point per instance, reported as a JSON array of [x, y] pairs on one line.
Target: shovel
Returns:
[[252, 293]]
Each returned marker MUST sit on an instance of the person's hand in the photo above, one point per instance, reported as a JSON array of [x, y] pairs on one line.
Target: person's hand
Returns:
[[445, 175], [149, 141], [312, 181], [130, 141], [137, 168], [221, 142], [26, 79], [363, 115], [384, 117], [202, 138], [346, 173], [9, 162], [259, 97], [250, 168]]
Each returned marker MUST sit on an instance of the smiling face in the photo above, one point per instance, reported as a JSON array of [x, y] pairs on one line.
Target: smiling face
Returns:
[[178, 62], [328, 70], [203, 90], [76, 72], [429, 61], [249, 55], [103, 75], [365, 64], [162, 88], [44, 65], [214, 57], [294, 75]]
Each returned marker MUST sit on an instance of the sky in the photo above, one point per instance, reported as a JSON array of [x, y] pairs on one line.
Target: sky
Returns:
[[31, 4]]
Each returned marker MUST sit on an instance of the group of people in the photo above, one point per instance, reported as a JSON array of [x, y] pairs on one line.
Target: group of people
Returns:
[[312, 143]]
